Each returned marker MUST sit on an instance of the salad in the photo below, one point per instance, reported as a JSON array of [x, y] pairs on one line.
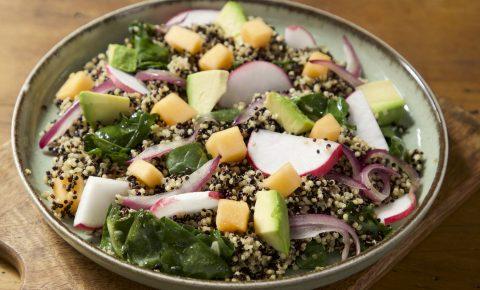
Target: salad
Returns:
[[215, 147]]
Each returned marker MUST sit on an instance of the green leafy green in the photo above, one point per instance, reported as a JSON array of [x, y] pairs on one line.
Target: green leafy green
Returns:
[[186, 159], [149, 53], [395, 143], [314, 256], [312, 105], [286, 64], [118, 224], [369, 223], [226, 115], [122, 57], [339, 109]]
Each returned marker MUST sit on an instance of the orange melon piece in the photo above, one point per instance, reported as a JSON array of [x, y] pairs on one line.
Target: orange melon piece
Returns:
[[218, 57], [285, 180], [316, 70], [232, 216], [256, 33], [326, 127], [73, 196], [76, 82], [182, 39], [227, 143], [146, 173], [172, 109]]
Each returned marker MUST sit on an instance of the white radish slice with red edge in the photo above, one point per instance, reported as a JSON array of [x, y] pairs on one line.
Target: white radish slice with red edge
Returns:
[[187, 203], [254, 77], [190, 17], [126, 82], [97, 196], [363, 118], [397, 210], [299, 37], [268, 151]]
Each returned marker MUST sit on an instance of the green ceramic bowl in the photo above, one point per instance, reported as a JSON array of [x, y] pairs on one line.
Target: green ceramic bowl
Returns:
[[379, 62]]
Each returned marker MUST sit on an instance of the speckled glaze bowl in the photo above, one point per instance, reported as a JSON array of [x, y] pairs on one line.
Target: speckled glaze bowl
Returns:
[[379, 62]]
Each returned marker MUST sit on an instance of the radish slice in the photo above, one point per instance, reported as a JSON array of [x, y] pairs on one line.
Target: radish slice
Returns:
[[268, 151], [61, 125], [186, 203], [254, 77], [362, 117], [248, 113], [190, 17], [353, 63], [104, 87], [161, 75], [340, 71], [97, 196], [397, 210], [299, 37], [126, 82]]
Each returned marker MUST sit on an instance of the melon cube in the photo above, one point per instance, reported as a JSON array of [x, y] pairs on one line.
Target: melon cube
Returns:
[[172, 109], [76, 82], [256, 33], [227, 143], [316, 70], [218, 57], [232, 216], [285, 180], [326, 127], [146, 173], [68, 198], [182, 39]]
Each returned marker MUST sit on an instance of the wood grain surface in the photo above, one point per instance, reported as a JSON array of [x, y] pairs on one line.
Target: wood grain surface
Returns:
[[439, 37]]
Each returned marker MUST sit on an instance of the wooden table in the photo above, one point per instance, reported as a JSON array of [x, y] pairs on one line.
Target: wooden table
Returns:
[[439, 37]]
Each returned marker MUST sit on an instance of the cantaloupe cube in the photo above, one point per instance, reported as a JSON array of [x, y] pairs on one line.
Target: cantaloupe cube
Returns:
[[316, 70], [173, 109], [76, 82], [218, 57], [227, 143], [71, 197], [326, 127], [232, 216], [146, 173], [184, 39], [285, 180], [256, 33]]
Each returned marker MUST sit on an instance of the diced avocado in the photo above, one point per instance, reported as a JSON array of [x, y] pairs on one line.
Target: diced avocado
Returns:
[[103, 108], [288, 114], [122, 57], [270, 220], [384, 100], [231, 19], [205, 88]]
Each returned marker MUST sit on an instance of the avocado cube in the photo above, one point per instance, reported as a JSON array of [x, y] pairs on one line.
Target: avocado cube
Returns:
[[122, 57], [103, 108], [288, 114]]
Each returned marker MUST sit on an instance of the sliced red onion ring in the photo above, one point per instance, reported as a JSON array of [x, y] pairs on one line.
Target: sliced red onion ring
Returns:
[[354, 162], [104, 87], [372, 193], [311, 225], [299, 37], [353, 63], [346, 180], [194, 182], [126, 82], [61, 125], [249, 111], [160, 75], [340, 71], [196, 16]]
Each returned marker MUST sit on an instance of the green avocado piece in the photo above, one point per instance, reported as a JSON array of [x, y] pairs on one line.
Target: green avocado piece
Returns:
[[103, 108], [288, 114], [231, 19], [384, 100], [270, 220], [205, 88], [122, 57]]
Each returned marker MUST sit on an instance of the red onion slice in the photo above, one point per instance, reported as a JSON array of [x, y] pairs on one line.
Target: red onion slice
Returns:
[[160, 75], [311, 225], [61, 125], [354, 162], [299, 37], [187, 203], [340, 71], [346, 180], [104, 87], [126, 82], [190, 17], [248, 113], [372, 193], [353, 63]]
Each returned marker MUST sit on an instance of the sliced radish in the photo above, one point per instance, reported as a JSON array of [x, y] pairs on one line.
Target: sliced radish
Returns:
[[268, 151], [186, 203], [97, 196], [362, 117], [161, 75], [254, 77], [126, 82], [299, 37], [190, 17], [397, 210], [353, 63]]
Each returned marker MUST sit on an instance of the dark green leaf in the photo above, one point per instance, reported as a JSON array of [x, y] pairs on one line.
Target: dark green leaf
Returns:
[[312, 105], [186, 159], [149, 53], [225, 246], [339, 109], [226, 115], [313, 256], [370, 225], [286, 65], [105, 243], [395, 143], [118, 223], [95, 145]]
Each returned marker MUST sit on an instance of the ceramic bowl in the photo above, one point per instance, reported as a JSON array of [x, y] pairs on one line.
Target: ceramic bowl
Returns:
[[379, 62]]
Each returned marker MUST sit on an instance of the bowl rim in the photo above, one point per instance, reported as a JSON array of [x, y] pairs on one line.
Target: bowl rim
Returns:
[[105, 259]]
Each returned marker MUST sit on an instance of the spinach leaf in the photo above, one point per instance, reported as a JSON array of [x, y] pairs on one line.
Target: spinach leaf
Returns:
[[339, 109], [370, 225], [312, 105], [186, 159], [95, 145], [226, 115], [118, 224], [395, 143], [105, 243], [314, 256], [149, 53], [224, 245]]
